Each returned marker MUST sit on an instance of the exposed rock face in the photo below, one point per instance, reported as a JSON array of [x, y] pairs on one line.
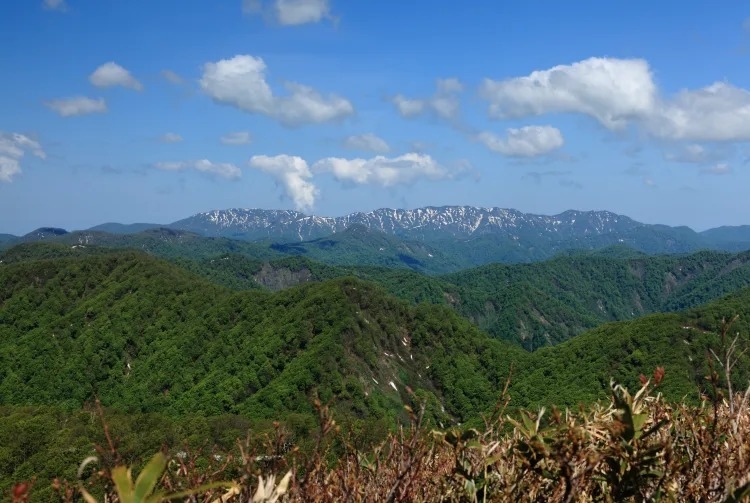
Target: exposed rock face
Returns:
[[278, 279]]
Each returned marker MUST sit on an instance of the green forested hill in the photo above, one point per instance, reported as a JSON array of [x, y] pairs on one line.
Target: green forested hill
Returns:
[[7, 238], [240, 271], [147, 336], [548, 302], [161, 242], [533, 305], [175, 357]]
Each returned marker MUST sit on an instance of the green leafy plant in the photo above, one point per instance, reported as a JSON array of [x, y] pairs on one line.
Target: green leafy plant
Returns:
[[142, 490]]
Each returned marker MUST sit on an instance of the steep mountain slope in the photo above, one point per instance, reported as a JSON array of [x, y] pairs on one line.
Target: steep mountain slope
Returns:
[[579, 370], [360, 245], [548, 302], [532, 305]]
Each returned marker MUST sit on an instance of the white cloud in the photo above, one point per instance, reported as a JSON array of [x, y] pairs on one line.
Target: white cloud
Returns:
[[241, 82], [296, 175], [9, 168], [368, 142], [384, 171], [172, 77], [296, 12], [444, 103], [528, 141], [293, 173], [619, 92], [58, 5], [236, 138], [77, 105], [721, 168], [306, 105], [719, 112], [224, 170], [170, 138], [291, 12], [13, 147], [111, 74], [407, 107], [613, 91]]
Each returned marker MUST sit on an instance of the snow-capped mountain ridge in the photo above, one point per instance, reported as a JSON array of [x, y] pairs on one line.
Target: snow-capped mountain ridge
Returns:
[[454, 236], [448, 221]]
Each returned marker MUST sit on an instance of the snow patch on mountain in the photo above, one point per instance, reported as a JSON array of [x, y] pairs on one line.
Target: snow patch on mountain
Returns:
[[453, 221]]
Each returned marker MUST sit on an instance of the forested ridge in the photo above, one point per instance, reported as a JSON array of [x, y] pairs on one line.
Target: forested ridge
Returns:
[[533, 305]]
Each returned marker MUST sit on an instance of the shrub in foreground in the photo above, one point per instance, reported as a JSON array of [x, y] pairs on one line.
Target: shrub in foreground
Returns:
[[635, 448]]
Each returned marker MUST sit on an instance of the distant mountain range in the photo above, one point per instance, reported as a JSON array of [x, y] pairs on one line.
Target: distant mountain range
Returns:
[[456, 236], [429, 224]]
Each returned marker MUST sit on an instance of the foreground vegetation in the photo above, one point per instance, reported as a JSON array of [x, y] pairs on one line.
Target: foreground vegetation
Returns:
[[634, 448]]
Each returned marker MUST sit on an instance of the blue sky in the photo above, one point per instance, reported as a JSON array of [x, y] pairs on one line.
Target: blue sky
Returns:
[[136, 111]]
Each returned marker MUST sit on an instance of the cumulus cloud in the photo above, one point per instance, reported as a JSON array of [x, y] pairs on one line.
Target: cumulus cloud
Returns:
[[58, 5], [293, 174], [241, 82], [296, 176], [172, 77], [368, 142], [719, 112], [721, 168], [170, 138], [444, 103], [236, 138], [290, 12], [620, 92], [384, 171], [224, 170], [528, 141], [613, 91], [13, 147], [77, 105], [111, 74]]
